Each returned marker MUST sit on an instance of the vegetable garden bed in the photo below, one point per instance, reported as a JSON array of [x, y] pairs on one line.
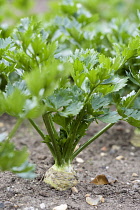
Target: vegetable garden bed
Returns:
[[99, 158]]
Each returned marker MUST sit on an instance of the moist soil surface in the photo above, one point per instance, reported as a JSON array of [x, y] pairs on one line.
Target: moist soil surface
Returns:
[[98, 158]]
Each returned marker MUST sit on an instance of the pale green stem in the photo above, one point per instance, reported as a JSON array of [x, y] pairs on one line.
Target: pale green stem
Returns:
[[15, 128], [91, 140], [43, 137], [48, 124], [69, 147], [37, 128]]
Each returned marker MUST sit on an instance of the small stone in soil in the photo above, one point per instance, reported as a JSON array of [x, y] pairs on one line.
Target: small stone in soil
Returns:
[[42, 206], [74, 190], [87, 195], [103, 154], [79, 160], [135, 175], [136, 181], [104, 149], [94, 201], [120, 157], [115, 147], [61, 207]]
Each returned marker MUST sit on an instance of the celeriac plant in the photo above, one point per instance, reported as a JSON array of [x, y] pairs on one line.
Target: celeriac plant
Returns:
[[68, 91]]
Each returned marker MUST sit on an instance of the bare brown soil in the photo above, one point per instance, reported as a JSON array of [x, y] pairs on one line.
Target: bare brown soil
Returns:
[[99, 158]]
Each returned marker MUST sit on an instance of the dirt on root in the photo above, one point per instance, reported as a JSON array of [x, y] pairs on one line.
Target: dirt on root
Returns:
[[98, 158]]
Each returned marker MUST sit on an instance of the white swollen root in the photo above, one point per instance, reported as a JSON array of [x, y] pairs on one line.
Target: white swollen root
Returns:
[[61, 178]]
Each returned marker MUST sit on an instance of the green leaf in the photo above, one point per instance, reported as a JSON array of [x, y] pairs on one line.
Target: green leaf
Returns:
[[119, 83], [14, 103], [70, 99], [98, 101], [73, 109], [60, 98], [134, 77], [60, 120], [42, 81], [88, 57], [132, 116], [82, 128], [5, 42], [105, 61], [111, 117], [2, 104], [125, 100], [33, 108], [15, 160]]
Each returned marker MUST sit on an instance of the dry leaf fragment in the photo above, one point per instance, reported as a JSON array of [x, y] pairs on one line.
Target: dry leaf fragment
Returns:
[[120, 157], [94, 201], [103, 179], [100, 180], [61, 207]]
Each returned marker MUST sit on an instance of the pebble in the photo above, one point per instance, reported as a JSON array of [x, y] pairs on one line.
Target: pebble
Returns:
[[42, 206], [104, 149], [74, 190], [94, 201], [132, 153], [120, 157], [29, 208], [102, 154], [115, 147], [79, 160], [135, 175], [137, 181], [61, 207], [87, 195]]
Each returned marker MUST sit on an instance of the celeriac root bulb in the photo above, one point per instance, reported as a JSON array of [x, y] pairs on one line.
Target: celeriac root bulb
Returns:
[[61, 178]]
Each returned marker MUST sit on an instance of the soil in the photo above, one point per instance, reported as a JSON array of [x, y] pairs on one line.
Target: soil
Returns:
[[99, 158]]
